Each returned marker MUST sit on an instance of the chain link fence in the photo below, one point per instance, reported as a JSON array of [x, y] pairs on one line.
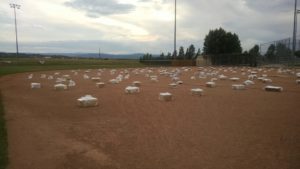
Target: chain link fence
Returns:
[[280, 52]]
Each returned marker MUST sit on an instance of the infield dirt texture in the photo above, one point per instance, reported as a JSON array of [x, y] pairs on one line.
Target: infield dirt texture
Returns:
[[222, 129]]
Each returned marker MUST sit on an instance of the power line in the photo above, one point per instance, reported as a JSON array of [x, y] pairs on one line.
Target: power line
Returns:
[[16, 30]]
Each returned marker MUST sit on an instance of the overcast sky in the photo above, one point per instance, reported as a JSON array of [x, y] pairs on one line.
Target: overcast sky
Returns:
[[133, 26]]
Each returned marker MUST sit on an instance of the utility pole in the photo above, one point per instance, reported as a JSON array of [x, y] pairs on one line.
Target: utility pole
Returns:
[[99, 53], [296, 11], [16, 30], [175, 25]]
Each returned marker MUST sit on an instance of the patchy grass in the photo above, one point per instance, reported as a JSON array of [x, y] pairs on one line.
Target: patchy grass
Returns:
[[3, 138]]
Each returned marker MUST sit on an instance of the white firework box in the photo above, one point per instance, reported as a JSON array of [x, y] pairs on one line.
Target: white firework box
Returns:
[[50, 77], [30, 76], [87, 101], [234, 79], [71, 83], [238, 87], [248, 82], [96, 79], [60, 80], [166, 96], [210, 84], [43, 76], [179, 82], [85, 76], [172, 85], [136, 83], [36, 85], [100, 84], [266, 80], [153, 78], [60, 87], [114, 81], [68, 77], [132, 89], [197, 92], [213, 79], [222, 77], [273, 88]]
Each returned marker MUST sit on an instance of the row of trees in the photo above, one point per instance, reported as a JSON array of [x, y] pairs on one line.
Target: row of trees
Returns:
[[224, 48], [275, 52], [219, 41], [188, 54]]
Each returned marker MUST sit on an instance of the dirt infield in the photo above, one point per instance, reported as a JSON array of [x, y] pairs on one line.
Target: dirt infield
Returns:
[[222, 129]]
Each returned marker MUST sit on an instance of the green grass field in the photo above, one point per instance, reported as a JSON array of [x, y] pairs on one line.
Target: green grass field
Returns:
[[19, 65], [32, 64]]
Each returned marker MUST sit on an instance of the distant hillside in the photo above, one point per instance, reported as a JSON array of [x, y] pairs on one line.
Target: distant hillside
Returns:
[[82, 55], [96, 55]]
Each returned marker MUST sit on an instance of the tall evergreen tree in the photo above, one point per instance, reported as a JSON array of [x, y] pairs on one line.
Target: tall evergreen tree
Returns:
[[162, 56], [271, 53], [169, 56], [181, 53], [219, 41], [282, 51], [186, 53], [198, 53], [191, 52], [254, 54], [174, 55]]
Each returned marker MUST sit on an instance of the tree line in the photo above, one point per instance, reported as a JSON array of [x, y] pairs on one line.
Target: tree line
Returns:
[[188, 54], [277, 51], [224, 48]]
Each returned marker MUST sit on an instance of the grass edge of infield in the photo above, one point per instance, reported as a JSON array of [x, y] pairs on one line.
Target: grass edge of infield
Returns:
[[3, 137]]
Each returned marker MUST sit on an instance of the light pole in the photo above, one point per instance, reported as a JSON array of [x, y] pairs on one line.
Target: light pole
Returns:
[[296, 12], [18, 7], [99, 53], [175, 53]]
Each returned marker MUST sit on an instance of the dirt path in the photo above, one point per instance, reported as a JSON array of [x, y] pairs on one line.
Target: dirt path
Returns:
[[222, 129]]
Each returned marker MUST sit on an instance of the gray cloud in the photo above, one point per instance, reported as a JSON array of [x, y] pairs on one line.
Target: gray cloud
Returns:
[[92, 46], [271, 5], [100, 7], [6, 18], [255, 21]]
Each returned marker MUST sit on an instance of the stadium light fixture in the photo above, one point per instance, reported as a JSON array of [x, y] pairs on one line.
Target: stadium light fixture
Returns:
[[16, 6]]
